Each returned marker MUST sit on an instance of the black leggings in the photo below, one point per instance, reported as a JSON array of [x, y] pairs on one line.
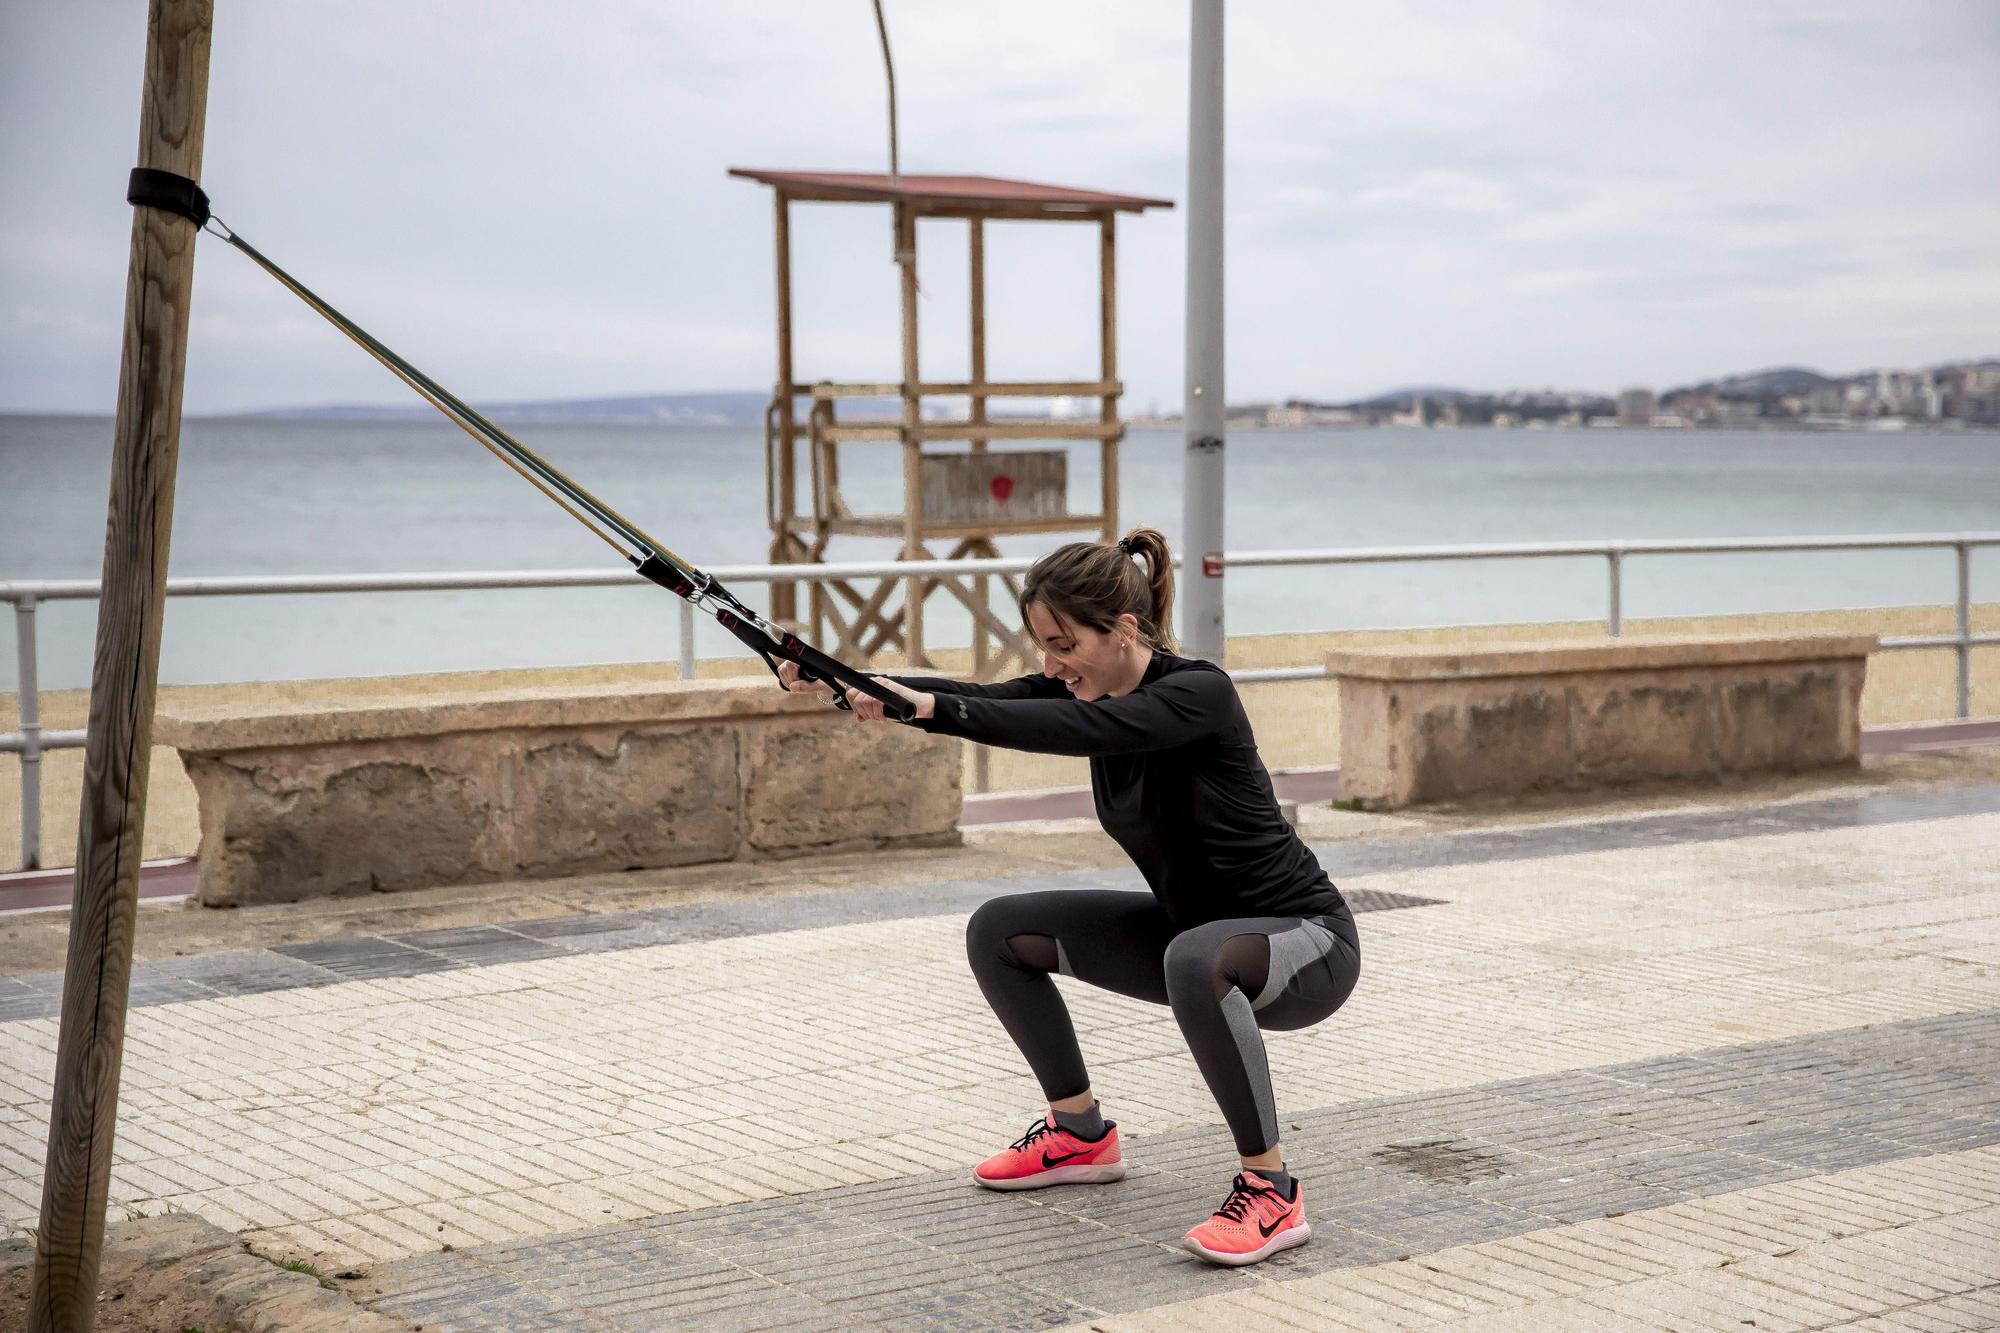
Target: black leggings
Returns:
[[1225, 980]]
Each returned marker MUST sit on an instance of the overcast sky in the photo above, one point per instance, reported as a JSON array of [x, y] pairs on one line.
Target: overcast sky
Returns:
[[530, 201]]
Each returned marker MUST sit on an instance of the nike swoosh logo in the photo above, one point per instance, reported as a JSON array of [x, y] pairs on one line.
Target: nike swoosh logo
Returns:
[[1048, 1161], [1267, 1231]]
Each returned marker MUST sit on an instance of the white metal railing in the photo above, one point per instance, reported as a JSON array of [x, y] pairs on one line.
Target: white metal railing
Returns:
[[30, 741]]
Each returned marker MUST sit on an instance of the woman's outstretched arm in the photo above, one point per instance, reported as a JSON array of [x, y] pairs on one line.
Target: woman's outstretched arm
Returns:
[[1170, 712]]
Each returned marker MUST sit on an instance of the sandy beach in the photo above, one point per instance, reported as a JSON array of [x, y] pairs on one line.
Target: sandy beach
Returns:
[[1298, 722]]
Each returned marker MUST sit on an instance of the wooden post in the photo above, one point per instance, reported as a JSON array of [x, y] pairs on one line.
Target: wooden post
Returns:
[[978, 284], [1107, 268], [784, 596], [913, 449], [124, 674], [976, 235]]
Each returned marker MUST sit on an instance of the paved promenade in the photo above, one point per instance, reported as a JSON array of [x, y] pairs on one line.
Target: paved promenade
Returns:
[[1712, 1068]]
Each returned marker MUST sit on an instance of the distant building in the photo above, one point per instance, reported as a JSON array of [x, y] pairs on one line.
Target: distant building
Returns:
[[1636, 406]]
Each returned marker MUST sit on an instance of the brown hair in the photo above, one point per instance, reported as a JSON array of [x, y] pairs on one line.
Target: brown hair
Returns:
[[1093, 583]]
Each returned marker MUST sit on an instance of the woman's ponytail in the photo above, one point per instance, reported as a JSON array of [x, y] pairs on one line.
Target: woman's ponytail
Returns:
[[1150, 544], [1094, 583]]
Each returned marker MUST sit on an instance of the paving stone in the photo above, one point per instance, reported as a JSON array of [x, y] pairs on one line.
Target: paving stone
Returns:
[[368, 958], [253, 972], [569, 1082], [935, 1251], [480, 946], [15, 1008], [1381, 900], [249, 972]]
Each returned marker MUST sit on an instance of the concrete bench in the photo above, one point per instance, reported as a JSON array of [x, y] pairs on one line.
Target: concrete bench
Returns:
[[311, 800], [1428, 725]]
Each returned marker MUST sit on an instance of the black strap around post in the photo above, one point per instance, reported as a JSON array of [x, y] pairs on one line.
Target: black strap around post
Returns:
[[149, 187]]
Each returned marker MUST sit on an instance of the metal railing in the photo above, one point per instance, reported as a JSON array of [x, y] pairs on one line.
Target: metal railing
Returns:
[[31, 741]]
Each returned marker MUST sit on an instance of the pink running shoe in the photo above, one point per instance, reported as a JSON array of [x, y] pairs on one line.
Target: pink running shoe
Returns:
[[1050, 1155], [1254, 1223]]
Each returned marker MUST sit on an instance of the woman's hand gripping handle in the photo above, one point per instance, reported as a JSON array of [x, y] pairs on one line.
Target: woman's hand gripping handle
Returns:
[[866, 707]]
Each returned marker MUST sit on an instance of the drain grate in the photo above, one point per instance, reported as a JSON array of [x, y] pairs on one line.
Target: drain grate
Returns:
[[1378, 900]]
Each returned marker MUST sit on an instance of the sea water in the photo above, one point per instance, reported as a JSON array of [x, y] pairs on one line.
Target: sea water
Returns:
[[284, 496]]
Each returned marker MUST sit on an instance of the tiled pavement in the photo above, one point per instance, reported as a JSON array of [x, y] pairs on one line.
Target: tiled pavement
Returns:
[[415, 953], [1763, 1039], [1390, 1177], [412, 953]]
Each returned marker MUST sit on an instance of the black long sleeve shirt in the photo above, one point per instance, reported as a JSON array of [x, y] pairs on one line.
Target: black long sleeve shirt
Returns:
[[1177, 780]]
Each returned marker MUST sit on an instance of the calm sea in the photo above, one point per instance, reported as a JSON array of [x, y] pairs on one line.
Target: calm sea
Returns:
[[290, 497]]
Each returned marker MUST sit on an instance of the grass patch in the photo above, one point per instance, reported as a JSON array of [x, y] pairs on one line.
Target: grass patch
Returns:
[[301, 1266]]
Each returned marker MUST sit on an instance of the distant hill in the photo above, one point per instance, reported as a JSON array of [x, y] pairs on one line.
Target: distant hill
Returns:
[[1402, 400], [746, 407], [1430, 393], [1773, 383]]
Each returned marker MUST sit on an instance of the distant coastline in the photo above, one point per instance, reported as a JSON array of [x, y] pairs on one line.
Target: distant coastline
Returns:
[[1952, 396]]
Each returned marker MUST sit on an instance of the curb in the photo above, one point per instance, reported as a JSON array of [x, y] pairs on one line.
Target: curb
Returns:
[[244, 1291]]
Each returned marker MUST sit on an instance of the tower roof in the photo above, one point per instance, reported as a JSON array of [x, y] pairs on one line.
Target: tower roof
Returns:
[[972, 193]]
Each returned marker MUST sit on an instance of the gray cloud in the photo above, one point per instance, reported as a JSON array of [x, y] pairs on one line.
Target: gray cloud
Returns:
[[532, 201]]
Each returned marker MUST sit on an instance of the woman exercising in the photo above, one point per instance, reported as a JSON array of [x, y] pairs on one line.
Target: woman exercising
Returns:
[[1242, 929]]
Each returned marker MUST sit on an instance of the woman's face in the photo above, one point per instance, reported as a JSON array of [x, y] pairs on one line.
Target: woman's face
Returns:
[[1091, 662]]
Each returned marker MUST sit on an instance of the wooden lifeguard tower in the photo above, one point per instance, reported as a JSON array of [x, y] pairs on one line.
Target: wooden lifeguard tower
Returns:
[[965, 498]]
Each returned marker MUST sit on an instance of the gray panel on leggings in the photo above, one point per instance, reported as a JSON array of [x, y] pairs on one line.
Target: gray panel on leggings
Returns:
[[1250, 1046], [1062, 961], [1292, 951]]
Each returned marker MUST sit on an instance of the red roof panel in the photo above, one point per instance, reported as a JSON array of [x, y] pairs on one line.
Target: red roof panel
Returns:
[[972, 190]]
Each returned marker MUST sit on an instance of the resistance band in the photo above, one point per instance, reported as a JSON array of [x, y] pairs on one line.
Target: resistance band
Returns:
[[178, 195]]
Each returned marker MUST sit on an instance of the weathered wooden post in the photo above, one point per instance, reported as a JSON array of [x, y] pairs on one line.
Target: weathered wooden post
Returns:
[[1107, 368], [913, 447], [785, 544], [124, 674]]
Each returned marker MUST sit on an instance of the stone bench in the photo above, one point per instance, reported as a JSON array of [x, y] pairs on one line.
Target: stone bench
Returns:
[[1428, 725], [310, 800]]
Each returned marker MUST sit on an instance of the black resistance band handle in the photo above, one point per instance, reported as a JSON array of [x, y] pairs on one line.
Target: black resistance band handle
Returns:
[[812, 663], [816, 665]]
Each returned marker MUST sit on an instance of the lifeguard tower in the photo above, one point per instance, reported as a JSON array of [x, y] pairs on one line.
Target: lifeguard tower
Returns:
[[964, 498]]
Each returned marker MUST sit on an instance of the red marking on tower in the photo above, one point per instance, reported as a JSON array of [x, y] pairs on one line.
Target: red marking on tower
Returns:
[[1002, 487]]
